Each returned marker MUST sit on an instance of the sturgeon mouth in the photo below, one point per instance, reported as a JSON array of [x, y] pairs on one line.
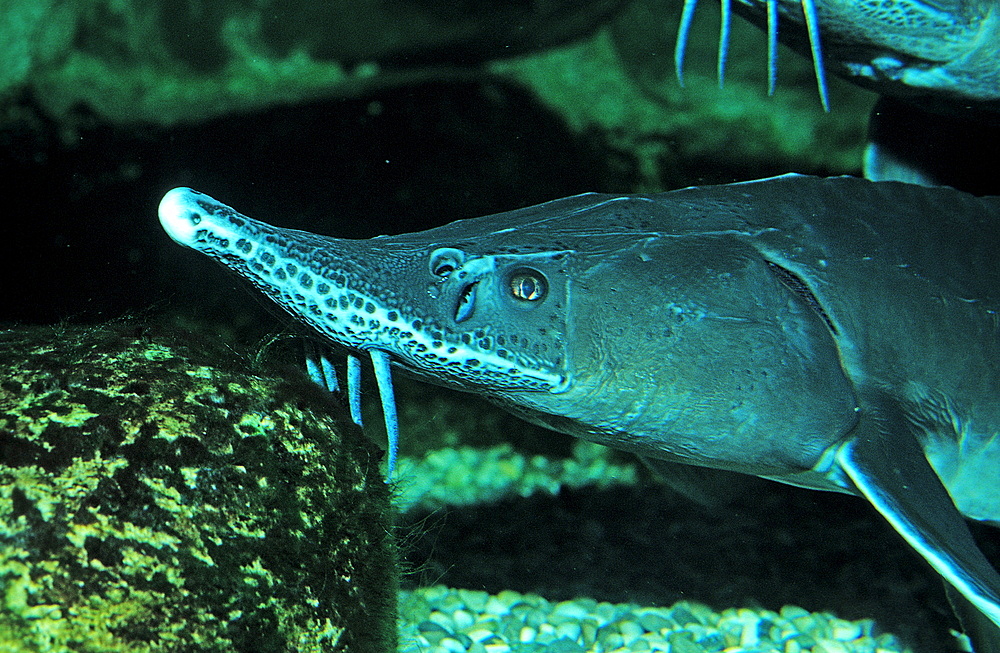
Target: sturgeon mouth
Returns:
[[466, 305]]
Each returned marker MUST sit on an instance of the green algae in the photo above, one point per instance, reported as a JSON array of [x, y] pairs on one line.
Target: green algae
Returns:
[[155, 497], [174, 61]]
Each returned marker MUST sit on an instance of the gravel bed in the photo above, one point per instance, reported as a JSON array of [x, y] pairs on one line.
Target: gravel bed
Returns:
[[439, 619]]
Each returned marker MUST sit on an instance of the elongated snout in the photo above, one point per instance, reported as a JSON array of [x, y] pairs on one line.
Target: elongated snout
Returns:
[[180, 214]]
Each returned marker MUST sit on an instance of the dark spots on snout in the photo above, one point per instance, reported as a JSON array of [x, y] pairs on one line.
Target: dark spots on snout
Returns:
[[218, 243]]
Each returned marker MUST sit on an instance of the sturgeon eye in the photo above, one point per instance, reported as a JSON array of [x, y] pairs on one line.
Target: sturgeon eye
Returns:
[[528, 285], [446, 260]]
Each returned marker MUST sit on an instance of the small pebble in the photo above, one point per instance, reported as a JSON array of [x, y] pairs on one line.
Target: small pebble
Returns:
[[830, 646], [497, 648], [845, 630], [569, 630], [474, 600], [451, 645], [654, 621], [631, 631], [434, 632]]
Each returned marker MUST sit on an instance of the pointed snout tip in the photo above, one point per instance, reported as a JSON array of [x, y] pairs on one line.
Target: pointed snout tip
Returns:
[[179, 215]]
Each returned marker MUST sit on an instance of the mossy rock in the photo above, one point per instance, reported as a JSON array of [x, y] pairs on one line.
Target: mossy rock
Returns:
[[156, 497]]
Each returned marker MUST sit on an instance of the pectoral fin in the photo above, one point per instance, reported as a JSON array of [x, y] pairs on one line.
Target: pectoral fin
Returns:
[[887, 465], [709, 488]]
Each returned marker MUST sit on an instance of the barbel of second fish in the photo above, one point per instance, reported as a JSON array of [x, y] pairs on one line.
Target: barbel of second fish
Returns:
[[942, 54]]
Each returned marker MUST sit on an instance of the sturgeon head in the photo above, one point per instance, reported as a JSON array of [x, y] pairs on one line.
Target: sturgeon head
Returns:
[[423, 299]]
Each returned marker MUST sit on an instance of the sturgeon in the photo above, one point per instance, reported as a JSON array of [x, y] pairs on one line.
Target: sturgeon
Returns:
[[936, 64], [837, 334]]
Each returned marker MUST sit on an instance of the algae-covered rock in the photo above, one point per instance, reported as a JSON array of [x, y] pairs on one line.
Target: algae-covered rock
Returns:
[[153, 497]]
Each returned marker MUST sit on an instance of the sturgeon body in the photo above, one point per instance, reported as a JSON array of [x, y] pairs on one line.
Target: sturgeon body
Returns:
[[838, 334]]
